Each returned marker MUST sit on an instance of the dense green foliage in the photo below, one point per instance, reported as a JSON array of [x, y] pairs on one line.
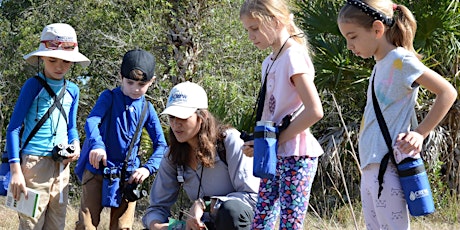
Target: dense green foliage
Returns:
[[203, 41]]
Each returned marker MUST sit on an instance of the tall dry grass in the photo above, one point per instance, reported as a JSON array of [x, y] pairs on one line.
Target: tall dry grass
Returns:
[[9, 218], [341, 220]]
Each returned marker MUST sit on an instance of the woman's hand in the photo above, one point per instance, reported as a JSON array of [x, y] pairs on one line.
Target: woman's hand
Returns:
[[194, 218], [155, 225]]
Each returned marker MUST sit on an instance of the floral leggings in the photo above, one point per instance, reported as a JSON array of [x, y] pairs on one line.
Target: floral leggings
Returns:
[[287, 193]]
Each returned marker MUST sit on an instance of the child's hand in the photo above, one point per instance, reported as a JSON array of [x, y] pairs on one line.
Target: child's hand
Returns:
[[139, 175], [410, 141], [17, 183], [96, 156], [248, 148], [74, 156]]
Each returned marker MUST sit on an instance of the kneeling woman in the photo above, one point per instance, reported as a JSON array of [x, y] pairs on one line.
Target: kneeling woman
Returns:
[[205, 157]]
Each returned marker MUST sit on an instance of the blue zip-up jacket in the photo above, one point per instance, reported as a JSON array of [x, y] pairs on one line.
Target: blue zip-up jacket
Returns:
[[111, 125]]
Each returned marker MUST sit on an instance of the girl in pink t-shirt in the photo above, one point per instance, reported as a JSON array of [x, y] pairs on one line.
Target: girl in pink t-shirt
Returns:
[[288, 74]]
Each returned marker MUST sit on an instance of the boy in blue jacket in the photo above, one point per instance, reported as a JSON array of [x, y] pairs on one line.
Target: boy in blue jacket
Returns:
[[110, 128]]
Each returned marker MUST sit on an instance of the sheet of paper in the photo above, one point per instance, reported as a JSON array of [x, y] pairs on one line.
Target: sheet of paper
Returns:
[[28, 207]]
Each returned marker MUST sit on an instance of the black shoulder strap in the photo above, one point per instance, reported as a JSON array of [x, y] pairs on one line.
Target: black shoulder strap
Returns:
[[220, 148], [138, 129], [48, 112], [381, 119], [261, 98], [133, 139], [53, 95], [386, 135]]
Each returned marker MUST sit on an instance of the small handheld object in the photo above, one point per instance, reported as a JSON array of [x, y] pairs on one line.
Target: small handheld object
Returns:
[[133, 192], [61, 152]]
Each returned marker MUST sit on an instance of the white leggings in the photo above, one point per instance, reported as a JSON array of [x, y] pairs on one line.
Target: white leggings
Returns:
[[390, 210]]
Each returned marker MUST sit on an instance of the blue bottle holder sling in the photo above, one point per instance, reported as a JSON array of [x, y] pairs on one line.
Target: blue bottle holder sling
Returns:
[[265, 149], [4, 175], [111, 187], [416, 187]]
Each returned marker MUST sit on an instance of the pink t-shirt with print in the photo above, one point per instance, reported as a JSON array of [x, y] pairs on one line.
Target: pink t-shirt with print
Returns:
[[282, 99]]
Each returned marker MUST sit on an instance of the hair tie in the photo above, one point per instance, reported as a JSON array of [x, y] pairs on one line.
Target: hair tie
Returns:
[[370, 11], [395, 7]]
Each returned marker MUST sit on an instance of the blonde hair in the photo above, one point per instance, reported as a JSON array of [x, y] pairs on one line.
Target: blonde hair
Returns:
[[400, 34], [267, 10]]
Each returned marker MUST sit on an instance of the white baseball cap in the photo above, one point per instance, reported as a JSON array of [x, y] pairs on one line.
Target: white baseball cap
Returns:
[[184, 99], [51, 45]]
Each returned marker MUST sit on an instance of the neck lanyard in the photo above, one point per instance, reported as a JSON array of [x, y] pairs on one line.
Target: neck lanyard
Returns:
[[199, 186], [261, 98]]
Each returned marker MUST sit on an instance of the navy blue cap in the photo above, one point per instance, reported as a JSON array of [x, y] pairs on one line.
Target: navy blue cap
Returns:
[[138, 59]]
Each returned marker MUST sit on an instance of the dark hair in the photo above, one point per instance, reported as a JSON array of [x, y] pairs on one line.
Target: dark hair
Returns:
[[401, 33], [136, 75], [210, 132]]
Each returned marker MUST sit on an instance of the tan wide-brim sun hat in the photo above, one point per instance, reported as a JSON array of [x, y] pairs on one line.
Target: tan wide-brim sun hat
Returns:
[[58, 32]]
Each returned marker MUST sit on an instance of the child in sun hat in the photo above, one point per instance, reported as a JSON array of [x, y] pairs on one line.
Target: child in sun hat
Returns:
[[46, 111], [112, 145]]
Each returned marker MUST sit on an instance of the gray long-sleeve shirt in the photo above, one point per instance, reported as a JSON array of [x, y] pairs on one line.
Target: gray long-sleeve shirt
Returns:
[[233, 180]]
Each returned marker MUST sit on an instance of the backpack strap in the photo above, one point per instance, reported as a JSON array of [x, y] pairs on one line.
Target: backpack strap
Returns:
[[220, 148]]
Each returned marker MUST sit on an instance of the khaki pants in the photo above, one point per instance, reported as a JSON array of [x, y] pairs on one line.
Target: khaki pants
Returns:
[[51, 179], [91, 208]]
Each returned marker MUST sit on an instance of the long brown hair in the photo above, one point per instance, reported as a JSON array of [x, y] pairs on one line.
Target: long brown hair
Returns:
[[211, 131]]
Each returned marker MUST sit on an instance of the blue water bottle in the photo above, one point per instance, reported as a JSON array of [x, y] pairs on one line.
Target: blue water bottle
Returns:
[[4, 175], [265, 149], [416, 187]]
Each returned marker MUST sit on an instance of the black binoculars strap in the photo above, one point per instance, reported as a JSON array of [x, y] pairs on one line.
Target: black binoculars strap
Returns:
[[261, 97], [53, 95], [131, 144], [55, 104], [386, 135]]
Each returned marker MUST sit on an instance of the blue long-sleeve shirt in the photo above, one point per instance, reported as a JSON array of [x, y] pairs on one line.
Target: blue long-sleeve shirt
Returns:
[[121, 114], [33, 102]]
